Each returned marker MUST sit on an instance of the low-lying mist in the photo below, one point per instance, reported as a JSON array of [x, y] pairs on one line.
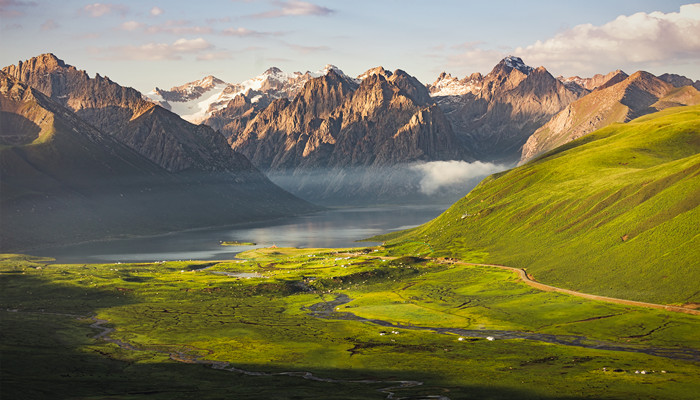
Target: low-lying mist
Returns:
[[450, 175], [410, 183]]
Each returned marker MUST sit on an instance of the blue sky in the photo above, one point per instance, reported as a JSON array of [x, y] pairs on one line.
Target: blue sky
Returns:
[[165, 43]]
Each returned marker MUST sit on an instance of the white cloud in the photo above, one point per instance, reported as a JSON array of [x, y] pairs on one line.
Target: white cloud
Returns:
[[190, 45], [240, 32], [156, 51], [96, 10], [294, 8], [636, 39], [439, 175], [156, 11], [131, 26]]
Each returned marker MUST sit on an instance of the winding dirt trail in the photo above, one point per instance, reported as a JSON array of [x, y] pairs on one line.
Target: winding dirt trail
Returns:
[[548, 288], [541, 286]]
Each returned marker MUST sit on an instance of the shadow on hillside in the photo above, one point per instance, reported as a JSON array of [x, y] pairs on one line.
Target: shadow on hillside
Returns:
[[51, 355], [15, 130]]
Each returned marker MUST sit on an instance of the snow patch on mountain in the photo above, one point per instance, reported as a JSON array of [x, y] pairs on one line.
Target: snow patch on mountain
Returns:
[[197, 100], [447, 85]]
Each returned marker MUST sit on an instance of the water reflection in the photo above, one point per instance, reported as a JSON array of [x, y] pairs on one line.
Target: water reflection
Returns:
[[333, 228]]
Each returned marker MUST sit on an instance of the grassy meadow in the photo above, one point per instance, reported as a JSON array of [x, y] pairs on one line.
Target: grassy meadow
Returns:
[[356, 321]]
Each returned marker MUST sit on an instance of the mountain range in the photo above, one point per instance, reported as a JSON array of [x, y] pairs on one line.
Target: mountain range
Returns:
[[306, 131], [85, 158], [324, 136]]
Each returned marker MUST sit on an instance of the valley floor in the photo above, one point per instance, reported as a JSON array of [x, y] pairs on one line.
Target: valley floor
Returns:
[[328, 324]]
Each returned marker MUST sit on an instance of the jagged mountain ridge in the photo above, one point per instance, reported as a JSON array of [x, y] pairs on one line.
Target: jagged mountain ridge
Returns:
[[615, 101], [597, 81], [120, 111], [197, 101], [679, 80], [335, 122]]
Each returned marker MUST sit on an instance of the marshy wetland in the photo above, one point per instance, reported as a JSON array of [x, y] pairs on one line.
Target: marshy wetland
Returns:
[[327, 323]]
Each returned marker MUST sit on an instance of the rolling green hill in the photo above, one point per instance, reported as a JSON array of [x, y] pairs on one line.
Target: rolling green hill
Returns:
[[613, 213]]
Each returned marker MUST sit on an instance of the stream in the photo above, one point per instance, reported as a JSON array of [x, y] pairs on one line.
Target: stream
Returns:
[[327, 310]]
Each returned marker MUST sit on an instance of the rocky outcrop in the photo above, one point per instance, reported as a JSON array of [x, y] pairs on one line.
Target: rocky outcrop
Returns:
[[639, 94], [498, 112]]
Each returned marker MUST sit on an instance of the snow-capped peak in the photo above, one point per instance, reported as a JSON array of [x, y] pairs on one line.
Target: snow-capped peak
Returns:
[[517, 63], [447, 85]]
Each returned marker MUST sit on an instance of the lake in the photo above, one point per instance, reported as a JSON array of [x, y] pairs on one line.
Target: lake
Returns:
[[339, 227]]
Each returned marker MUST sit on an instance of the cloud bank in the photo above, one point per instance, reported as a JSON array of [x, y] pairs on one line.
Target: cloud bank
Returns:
[[439, 175], [638, 38]]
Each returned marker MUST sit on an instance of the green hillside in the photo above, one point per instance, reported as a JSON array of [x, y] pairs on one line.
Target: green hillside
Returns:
[[613, 213]]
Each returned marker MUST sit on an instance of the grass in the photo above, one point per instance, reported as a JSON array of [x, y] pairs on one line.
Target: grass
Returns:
[[176, 309], [614, 213]]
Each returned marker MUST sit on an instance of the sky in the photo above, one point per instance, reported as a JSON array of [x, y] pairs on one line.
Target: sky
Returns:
[[147, 44]]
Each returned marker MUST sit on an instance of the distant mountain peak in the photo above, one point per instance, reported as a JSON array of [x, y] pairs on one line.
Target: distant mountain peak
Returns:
[[514, 62], [374, 71], [272, 71]]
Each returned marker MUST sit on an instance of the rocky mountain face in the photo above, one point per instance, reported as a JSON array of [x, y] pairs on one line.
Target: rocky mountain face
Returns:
[[639, 94], [385, 121], [66, 179], [493, 115]]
